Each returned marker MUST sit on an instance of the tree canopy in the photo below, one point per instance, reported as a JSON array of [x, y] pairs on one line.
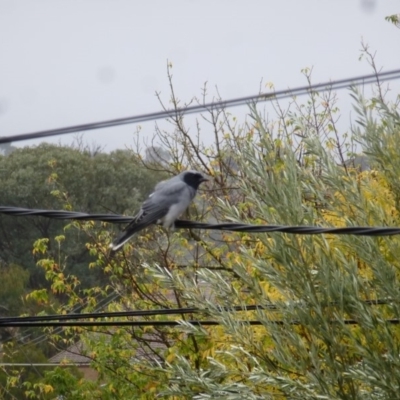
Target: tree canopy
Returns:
[[327, 305], [61, 177]]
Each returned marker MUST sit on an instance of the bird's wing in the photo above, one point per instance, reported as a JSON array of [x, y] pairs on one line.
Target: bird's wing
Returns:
[[149, 214], [158, 204], [156, 207]]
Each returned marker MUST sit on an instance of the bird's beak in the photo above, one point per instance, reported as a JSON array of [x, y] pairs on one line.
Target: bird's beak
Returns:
[[203, 179]]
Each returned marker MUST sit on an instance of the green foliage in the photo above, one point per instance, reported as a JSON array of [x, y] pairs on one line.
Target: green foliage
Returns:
[[62, 382], [57, 177], [13, 378], [394, 19], [14, 281], [324, 338]]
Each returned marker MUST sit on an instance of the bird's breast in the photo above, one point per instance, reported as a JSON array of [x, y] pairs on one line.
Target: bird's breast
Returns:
[[174, 212]]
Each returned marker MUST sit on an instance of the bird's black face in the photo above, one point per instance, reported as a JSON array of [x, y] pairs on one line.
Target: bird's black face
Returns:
[[193, 179]]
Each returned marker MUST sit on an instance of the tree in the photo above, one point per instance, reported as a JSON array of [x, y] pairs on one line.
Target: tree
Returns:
[[325, 302], [14, 281], [55, 177], [394, 19]]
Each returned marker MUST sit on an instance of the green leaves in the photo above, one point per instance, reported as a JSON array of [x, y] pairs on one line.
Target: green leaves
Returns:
[[323, 335], [58, 177]]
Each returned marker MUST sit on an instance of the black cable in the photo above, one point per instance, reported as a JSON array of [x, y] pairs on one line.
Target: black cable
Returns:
[[158, 312], [277, 95], [61, 214], [135, 313], [229, 226], [394, 321], [112, 323], [108, 299], [302, 230]]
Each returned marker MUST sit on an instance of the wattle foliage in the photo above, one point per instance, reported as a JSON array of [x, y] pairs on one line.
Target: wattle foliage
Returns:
[[323, 338]]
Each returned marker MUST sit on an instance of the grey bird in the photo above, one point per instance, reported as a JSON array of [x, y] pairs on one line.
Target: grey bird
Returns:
[[169, 200]]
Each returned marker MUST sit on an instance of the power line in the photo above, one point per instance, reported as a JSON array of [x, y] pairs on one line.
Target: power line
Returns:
[[40, 339], [55, 364], [277, 95], [393, 321], [135, 313], [229, 226], [159, 312], [31, 320], [61, 214], [301, 230]]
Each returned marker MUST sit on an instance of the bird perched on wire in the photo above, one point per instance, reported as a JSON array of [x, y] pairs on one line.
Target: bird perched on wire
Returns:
[[169, 200]]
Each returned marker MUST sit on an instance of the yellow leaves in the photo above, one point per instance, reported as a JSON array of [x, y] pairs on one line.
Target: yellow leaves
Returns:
[[47, 389], [52, 163], [52, 178], [59, 286], [259, 248], [331, 142], [271, 292], [111, 388], [55, 193], [93, 251], [269, 85], [40, 296], [93, 354], [43, 388], [278, 143], [171, 355], [40, 246], [151, 386], [251, 132], [59, 238], [379, 198], [210, 352], [367, 195]]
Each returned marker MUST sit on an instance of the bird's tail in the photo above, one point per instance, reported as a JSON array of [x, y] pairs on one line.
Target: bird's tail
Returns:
[[121, 240], [135, 226]]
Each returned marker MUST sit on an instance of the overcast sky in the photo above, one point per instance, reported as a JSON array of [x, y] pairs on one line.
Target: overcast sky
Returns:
[[72, 62]]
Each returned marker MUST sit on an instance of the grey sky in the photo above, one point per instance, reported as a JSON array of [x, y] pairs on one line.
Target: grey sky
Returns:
[[71, 62]]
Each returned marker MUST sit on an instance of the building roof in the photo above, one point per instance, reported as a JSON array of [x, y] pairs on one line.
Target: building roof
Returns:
[[73, 354]]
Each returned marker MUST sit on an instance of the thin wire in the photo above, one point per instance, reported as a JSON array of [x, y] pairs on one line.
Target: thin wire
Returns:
[[136, 313], [234, 227], [61, 214], [55, 364], [302, 230], [40, 339], [277, 95], [394, 321], [158, 312]]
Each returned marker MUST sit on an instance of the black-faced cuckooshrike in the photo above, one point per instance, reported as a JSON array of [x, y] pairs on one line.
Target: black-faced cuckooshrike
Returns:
[[168, 201]]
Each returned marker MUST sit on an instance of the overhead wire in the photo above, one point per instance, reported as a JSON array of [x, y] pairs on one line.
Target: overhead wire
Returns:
[[59, 319], [162, 311], [40, 339], [153, 116], [394, 321], [65, 320], [227, 226]]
